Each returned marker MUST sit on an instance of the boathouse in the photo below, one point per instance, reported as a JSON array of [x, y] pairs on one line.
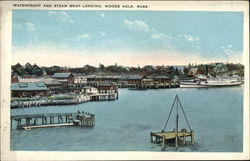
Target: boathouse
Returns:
[[54, 86], [162, 79], [135, 81], [107, 88], [34, 89], [123, 81], [64, 77], [148, 82]]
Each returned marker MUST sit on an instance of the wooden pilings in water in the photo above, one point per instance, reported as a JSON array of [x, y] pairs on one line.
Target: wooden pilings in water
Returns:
[[85, 119]]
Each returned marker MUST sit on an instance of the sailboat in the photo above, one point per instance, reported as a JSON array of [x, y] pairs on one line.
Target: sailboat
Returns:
[[175, 135]]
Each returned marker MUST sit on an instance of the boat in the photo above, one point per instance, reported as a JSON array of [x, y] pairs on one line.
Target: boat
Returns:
[[203, 82], [222, 83], [193, 84]]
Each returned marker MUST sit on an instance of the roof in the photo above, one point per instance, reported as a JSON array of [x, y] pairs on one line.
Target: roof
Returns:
[[61, 75], [161, 77], [193, 71], [150, 76], [124, 77], [51, 81], [28, 75], [135, 77], [34, 86], [88, 87], [48, 81]]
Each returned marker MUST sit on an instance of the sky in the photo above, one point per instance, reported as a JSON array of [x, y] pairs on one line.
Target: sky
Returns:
[[129, 38]]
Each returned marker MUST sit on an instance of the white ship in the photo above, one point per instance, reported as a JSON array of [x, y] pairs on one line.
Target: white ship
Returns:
[[204, 82]]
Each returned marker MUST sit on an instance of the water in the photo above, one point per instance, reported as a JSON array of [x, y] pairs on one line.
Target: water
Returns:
[[215, 114]]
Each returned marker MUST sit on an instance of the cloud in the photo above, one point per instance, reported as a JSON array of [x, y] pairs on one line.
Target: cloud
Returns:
[[30, 26], [52, 12], [103, 15], [157, 36], [63, 16], [136, 25], [227, 53], [66, 17], [84, 36], [102, 34], [227, 50], [189, 37]]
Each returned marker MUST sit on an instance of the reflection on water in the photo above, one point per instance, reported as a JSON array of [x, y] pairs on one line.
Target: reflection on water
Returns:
[[215, 114]]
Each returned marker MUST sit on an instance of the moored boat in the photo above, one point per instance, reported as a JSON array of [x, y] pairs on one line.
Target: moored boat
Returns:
[[210, 82]]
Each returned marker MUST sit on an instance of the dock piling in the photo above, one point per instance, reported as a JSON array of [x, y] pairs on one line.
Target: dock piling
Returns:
[[163, 142], [184, 139], [151, 137], [192, 136], [176, 141]]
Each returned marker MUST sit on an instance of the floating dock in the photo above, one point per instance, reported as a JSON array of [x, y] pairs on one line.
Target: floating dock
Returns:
[[82, 119], [174, 136]]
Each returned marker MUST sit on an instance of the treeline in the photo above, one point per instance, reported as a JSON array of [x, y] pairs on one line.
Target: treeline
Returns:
[[29, 69], [34, 69]]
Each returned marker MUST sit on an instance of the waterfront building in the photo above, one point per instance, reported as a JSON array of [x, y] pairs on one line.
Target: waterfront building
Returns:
[[107, 88], [14, 78], [33, 89], [28, 76], [123, 81], [148, 82], [80, 79], [89, 90], [162, 79], [54, 86], [67, 78], [135, 81]]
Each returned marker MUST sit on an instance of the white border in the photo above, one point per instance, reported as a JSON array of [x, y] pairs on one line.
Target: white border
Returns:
[[6, 15]]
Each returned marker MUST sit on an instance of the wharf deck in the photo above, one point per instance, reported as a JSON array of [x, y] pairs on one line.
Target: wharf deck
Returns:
[[171, 134], [84, 119]]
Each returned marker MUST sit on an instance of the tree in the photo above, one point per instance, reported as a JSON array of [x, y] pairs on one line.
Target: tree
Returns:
[[101, 67], [28, 68]]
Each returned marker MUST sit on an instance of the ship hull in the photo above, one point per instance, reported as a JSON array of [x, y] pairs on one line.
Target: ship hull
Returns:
[[209, 84], [192, 85]]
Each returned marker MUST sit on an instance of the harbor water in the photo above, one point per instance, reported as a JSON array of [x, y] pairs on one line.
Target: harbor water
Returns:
[[215, 114]]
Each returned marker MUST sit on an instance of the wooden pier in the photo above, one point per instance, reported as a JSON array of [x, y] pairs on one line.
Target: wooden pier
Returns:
[[82, 119], [174, 136]]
